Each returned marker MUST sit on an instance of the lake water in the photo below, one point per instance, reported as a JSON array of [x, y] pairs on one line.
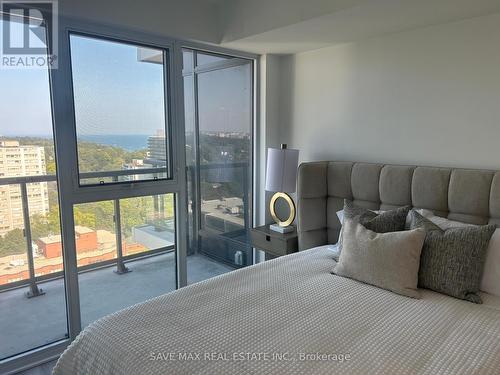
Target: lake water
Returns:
[[129, 142]]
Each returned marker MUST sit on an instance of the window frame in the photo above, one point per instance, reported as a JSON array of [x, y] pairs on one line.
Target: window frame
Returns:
[[232, 61], [41, 354], [70, 193], [167, 96], [90, 192]]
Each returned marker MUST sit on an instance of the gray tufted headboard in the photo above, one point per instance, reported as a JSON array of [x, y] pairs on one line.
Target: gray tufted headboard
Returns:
[[467, 195]]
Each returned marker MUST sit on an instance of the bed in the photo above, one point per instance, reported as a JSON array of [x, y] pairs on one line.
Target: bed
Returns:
[[290, 315]]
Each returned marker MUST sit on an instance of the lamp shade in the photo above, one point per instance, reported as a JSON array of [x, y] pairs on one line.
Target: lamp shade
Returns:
[[281, 172]]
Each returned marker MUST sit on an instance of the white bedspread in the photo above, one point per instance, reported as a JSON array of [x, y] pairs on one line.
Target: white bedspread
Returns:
[[265, 319]]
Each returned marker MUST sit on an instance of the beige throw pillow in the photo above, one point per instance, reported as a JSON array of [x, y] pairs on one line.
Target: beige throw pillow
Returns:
[[387, 260]]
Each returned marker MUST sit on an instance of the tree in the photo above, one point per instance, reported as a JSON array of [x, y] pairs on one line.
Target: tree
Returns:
[[98, 215], [13, 243]]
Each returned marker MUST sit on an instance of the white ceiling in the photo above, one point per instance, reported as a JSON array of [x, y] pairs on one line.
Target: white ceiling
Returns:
[[275, 26], [291, 26]]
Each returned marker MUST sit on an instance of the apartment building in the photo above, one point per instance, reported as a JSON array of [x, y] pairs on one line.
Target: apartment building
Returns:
[[21, 160], [157, 148]]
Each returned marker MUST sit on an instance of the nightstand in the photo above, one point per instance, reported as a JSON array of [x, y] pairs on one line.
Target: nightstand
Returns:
[[273, 243]]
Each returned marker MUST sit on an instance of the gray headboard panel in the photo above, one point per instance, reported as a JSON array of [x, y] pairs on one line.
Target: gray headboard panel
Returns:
[[467, 195]]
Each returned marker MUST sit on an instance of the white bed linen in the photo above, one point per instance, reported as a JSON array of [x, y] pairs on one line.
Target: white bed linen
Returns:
[[291, 305]]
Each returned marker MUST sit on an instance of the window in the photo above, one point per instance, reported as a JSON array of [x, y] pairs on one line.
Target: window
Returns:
[[218, 115], [209, 58], [120, 110], [225, 123], [91, 181], [29, 213], [125, 246]]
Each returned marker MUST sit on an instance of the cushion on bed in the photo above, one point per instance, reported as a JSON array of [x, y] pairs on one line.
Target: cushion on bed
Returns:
[[377, 221], [387, 260], [452, 260], [445, 223], [381, 222], [490, 282]]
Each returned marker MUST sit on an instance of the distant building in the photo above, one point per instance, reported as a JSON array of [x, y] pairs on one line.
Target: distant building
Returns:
[[16, 161], [85, 239], [137, 164], [224, 134], [223, 215], [157, 149], [153, 237], [50, 246]]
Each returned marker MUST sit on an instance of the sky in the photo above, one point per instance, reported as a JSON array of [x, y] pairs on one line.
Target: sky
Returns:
[[116, 94]]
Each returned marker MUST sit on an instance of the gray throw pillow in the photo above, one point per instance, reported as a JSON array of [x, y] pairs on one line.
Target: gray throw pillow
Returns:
[[387, 260], [383, 222], [452, 260]]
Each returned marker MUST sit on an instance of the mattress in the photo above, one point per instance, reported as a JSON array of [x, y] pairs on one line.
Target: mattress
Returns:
[[290, 315]]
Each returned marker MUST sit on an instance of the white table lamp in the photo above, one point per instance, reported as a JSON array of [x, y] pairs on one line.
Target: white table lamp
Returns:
[[281, 177]]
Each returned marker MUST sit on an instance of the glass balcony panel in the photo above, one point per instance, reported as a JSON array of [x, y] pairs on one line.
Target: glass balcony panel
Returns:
[[147, 224], [95, 235], [143, 266], [45, 228], [13, 247]]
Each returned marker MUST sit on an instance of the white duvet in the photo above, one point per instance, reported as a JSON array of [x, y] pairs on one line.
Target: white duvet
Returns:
[[291, 316]]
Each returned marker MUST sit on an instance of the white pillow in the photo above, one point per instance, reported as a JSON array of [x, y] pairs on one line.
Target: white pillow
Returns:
[[335, 250], [491, 274], [387, 260], [340, 215]]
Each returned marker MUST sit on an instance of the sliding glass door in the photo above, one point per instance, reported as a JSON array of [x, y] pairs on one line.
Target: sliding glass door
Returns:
[[219, 122]]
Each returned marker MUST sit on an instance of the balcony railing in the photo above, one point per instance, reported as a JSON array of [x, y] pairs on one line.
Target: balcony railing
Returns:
[[32, 281], [209, 173]]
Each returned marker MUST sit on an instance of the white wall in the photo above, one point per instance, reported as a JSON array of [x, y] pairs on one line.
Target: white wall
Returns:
[[428, 96], [269, 129]]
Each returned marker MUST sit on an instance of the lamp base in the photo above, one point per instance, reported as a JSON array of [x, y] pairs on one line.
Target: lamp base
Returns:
[[277, 228], [291, 217]]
